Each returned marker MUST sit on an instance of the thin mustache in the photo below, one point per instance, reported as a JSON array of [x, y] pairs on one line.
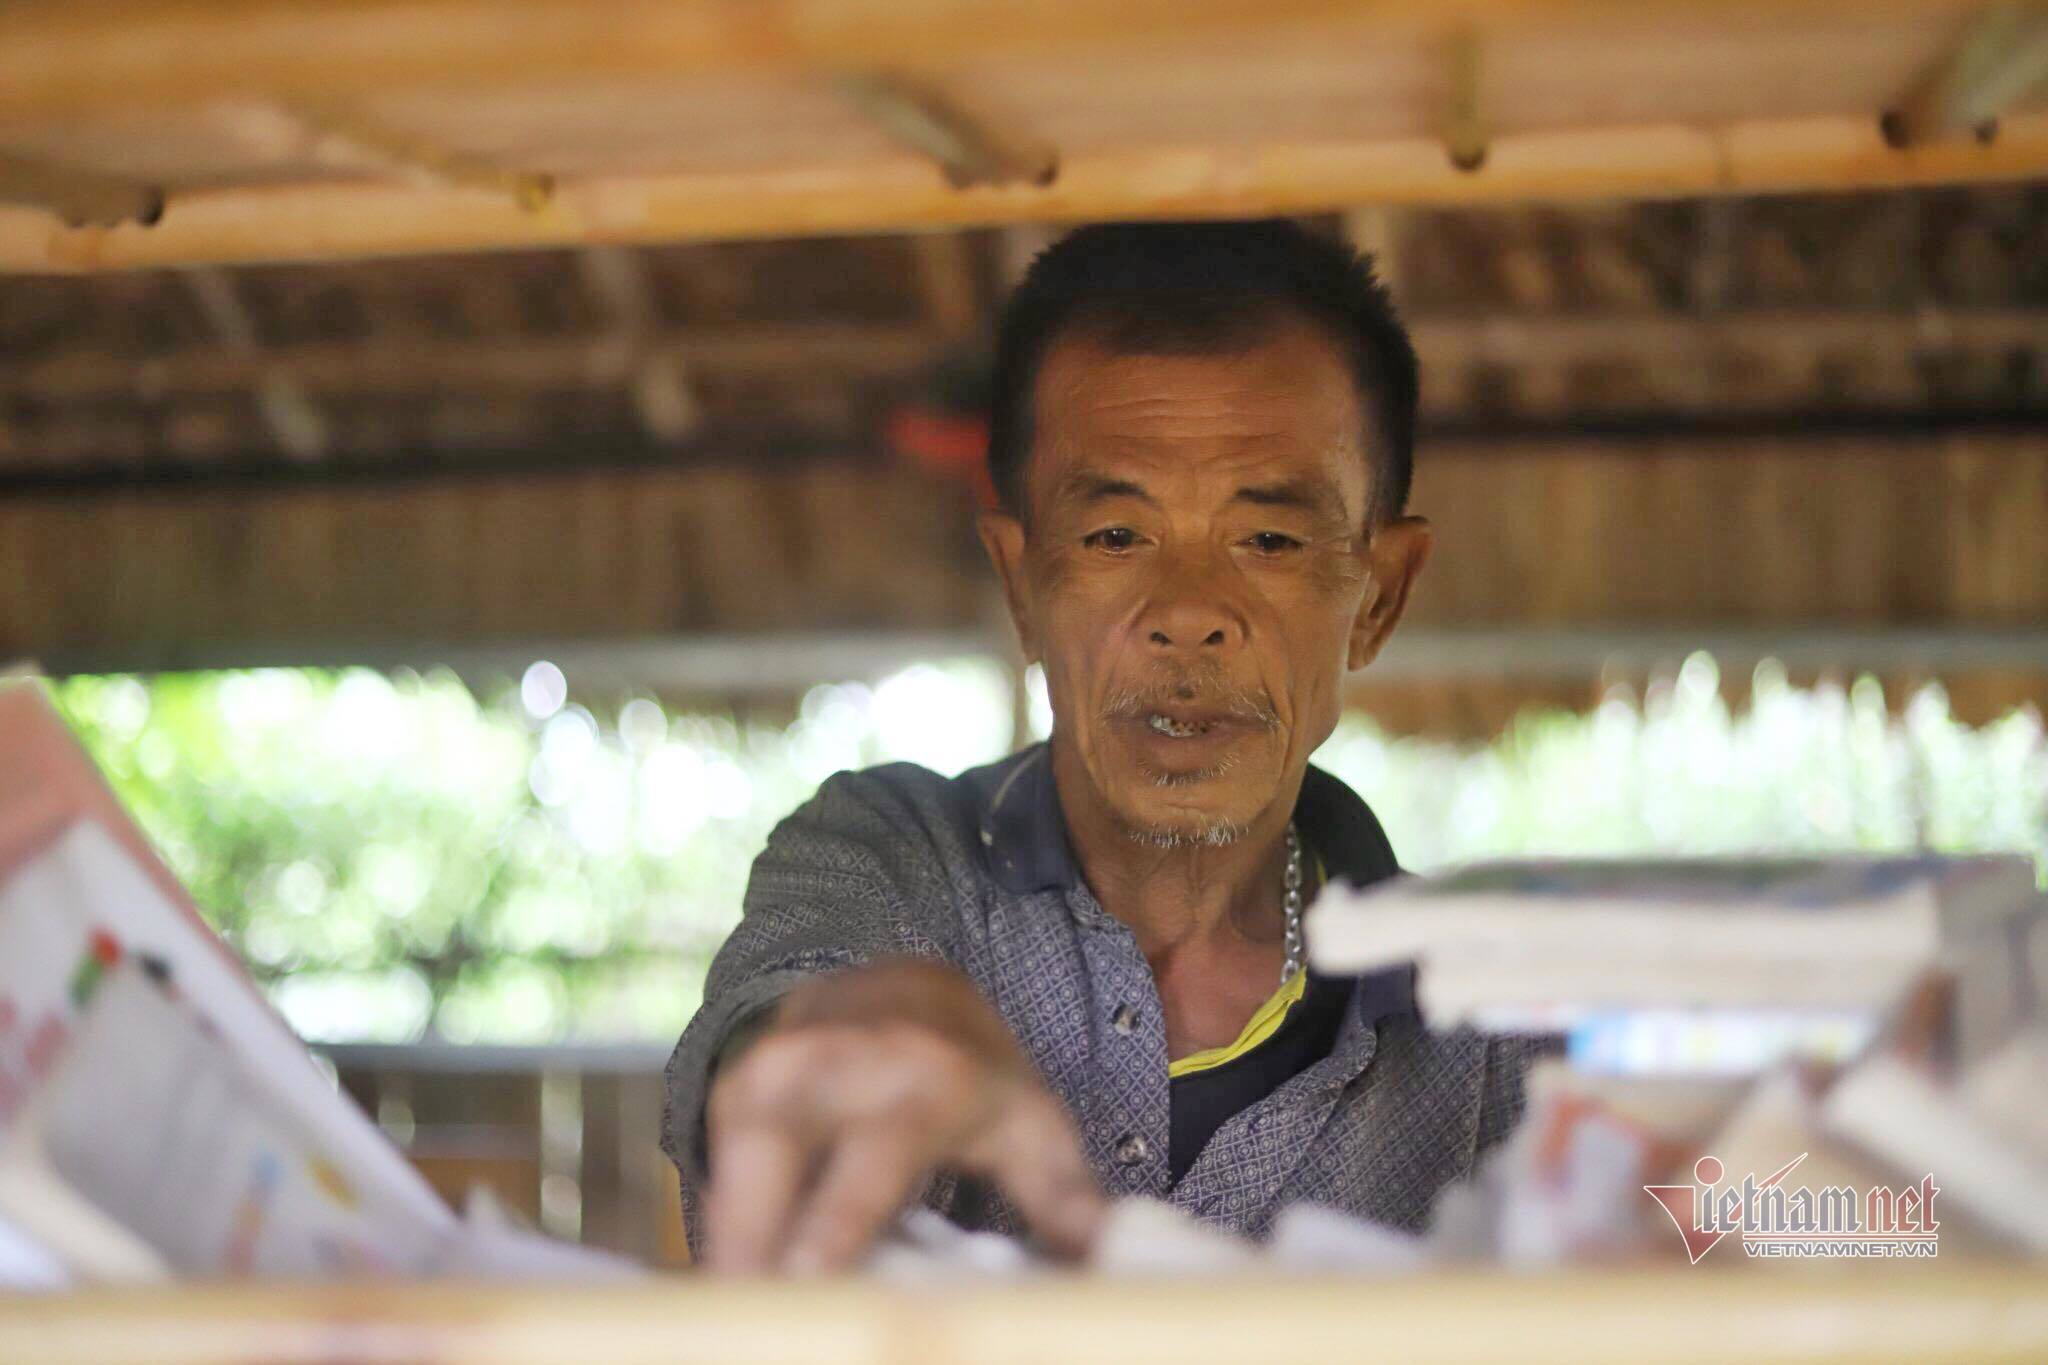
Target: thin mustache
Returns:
[[1135, 701]]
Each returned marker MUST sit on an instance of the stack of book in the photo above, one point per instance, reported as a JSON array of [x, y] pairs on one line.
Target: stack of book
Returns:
[[1843, 1024], [1716, 966]]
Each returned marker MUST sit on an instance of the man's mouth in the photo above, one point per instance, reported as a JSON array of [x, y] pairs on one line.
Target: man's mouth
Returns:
[[1178, 729]]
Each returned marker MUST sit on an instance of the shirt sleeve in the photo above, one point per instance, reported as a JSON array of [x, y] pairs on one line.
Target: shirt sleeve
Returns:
[[1504, 1095], [852, 877]]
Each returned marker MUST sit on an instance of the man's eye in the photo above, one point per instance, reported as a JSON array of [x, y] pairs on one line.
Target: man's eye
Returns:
[[1273, 543], [1115, 539]]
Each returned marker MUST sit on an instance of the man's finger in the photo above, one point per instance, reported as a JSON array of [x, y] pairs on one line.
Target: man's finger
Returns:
[[757, 1175], [871, 1174], [1036, 1158]]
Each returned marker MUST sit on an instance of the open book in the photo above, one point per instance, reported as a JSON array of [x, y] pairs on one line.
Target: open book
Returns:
[[157, 1117]]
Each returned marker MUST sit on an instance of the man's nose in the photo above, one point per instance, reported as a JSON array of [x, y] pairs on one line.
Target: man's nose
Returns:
[[1191, 622]]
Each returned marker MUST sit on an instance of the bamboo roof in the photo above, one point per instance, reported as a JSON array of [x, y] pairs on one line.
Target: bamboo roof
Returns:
[[1873, 307], [138, 133]]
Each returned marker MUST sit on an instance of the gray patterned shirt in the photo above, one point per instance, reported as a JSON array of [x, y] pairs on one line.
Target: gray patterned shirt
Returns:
[[976, 871]]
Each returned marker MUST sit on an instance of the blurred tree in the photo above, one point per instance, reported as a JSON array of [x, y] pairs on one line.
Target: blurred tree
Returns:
[[396, 860]]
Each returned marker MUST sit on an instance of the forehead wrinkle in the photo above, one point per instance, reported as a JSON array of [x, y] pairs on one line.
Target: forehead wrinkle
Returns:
[[1214, 412], [1273, 373], [1149, 468], [1213, 398], [1147, 417]]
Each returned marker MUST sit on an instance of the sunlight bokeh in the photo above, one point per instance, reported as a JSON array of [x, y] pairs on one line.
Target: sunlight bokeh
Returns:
[[397, 859]]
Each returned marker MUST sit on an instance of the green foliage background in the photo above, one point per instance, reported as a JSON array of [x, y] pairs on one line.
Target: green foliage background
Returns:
[[396, 859]]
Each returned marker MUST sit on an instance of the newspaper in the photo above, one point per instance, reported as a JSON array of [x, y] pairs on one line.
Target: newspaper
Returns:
[[157, 1118]]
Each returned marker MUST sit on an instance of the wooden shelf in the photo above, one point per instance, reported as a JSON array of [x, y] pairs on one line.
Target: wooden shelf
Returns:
[[1951, 1310]]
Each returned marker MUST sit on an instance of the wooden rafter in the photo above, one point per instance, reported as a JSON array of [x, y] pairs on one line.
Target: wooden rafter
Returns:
[[328, 129], [338, 221], [337, 134], [418, 368], [1465, 131], [414, 365], [75, 197], [946, 281], [655, 376], [56, 58], [2001, 59], [295, 422], [926, 119]]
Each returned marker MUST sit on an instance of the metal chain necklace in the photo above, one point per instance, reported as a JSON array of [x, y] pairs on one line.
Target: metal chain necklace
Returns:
[[1290, 901]]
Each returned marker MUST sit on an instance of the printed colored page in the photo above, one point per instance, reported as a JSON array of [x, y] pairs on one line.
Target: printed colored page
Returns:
[[202, 1163], [83, 904]]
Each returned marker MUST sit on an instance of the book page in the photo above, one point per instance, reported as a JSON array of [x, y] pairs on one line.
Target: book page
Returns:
[[202, 1163], [85, 903]]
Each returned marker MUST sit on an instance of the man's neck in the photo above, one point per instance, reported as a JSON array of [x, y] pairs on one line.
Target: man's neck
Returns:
[[1184, 899]]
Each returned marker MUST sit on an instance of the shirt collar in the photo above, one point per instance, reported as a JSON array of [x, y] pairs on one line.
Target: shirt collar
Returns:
[[1024, 834]]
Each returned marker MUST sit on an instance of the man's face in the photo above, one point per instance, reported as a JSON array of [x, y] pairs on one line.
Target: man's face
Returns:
[[1194, 573]]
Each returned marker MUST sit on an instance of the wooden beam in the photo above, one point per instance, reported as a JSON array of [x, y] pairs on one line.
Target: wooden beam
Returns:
[[946, 281], [1465, 132], [335, 133], [926, 119], [727, 664], [662, 396], [1572, 653], [341, 221], [294, 421], [410, 365], [127, 54], [1980, 1308], [419, 367], [2001, 60], [616, 278], [77, 197], [701, 663], [1789, 336]]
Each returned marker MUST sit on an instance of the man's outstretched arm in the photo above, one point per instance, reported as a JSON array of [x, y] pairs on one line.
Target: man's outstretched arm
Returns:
[[832, 1012], [864, 1084]]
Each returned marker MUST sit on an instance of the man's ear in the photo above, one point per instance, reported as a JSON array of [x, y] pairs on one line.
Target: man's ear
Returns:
[[1002, 535], [1394, 560]]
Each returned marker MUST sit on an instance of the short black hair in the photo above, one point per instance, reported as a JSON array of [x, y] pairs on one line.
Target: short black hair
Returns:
[[1205, 289]]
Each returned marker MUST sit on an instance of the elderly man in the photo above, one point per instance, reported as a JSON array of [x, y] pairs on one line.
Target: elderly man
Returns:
[[1008, 992]]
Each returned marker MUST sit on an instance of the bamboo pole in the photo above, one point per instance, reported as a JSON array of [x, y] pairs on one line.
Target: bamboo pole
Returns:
[[423, 366], [126, 54], [347, 220]]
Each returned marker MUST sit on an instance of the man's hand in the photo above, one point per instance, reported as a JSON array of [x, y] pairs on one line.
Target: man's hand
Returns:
[[865, 1083]]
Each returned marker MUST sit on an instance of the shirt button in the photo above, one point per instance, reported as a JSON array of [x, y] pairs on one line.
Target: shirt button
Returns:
[[1131, 1149], [1124, 1020]]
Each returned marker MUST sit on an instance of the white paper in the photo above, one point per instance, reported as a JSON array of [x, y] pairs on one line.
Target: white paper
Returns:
[[1149, 1238], [492, 1245], [86, 883], [26, 1264], [1902, 1116]]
